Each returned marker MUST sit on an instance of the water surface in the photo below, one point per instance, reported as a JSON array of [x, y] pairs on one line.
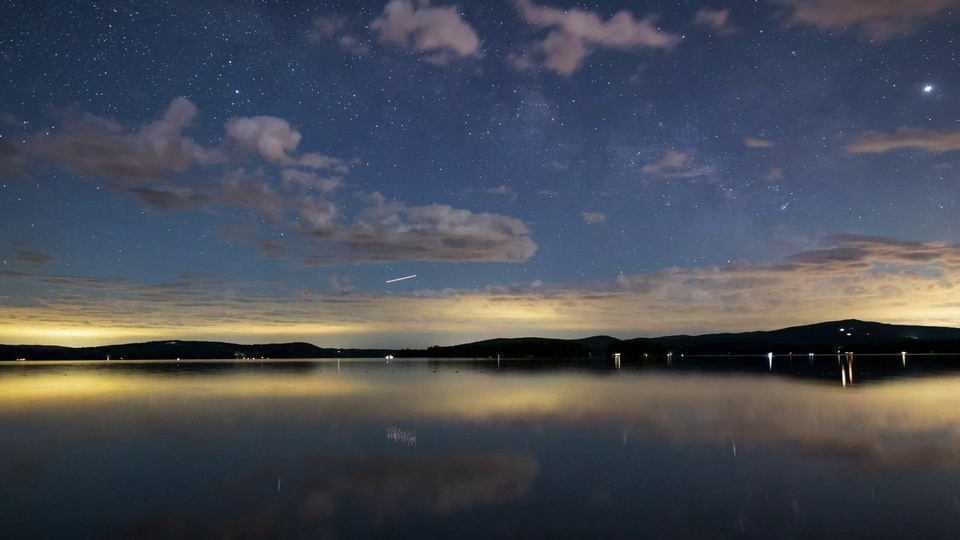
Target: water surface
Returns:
[[415, 448]]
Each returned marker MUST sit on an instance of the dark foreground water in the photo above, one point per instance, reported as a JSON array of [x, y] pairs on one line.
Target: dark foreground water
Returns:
[[417, 449]]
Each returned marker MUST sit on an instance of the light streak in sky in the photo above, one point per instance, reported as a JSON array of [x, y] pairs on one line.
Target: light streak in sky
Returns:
[[411, 276]]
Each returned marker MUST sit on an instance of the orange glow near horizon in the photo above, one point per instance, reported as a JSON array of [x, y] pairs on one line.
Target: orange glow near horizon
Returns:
[[674, 301], [902, 414]]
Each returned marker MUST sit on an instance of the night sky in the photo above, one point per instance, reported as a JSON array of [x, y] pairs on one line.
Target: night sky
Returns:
[[257, 171]]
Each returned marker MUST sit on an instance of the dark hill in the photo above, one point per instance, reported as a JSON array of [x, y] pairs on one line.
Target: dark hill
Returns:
[[850, 334], [193, 350], [638, 347], [598, 344], [828, 337], [512, 348]]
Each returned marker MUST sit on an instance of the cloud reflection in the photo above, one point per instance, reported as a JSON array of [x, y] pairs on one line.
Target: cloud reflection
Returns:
[[898, 423], [379, 489]]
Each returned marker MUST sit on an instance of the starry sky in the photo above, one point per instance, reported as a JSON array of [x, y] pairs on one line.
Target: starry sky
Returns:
[[257, 171]]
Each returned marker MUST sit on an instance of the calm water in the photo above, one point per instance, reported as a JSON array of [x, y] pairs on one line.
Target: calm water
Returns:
[[417, 449]]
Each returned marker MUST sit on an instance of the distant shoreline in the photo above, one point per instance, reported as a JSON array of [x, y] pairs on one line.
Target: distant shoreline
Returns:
[[862, 337]]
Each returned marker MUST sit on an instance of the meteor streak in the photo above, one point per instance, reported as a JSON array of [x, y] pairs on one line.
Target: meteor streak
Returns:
[[401, 278]]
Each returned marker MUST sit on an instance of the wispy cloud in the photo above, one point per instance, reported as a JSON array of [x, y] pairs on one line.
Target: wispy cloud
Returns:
[[168, 197], [875, 142], [440, 33], [593, 217], [502, 190], [576, 33], [756, 142], [715, 20], [95, 146], [158, 164], [674, 164], [871, 19], [337, 28], [862, 277], [30, 257], [92, 145], [274, 140], [309, 181], [392, 231], [251, 191]]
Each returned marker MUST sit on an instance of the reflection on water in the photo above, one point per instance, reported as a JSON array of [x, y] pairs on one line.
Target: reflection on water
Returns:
[[777, 448]]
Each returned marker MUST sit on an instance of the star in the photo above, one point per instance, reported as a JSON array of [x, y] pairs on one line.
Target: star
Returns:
[[499, 139]]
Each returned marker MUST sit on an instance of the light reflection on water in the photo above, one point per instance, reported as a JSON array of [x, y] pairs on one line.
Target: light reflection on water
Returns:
[[432, 448]]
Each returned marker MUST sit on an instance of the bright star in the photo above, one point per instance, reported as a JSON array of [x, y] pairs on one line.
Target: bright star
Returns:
[[927, 89]]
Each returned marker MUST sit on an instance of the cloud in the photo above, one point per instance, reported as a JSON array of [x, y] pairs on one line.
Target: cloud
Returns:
[[335, 28], [94, 146], [870, 278], [775, 173], [91, 145], [273, 139], [593, 217], [319, 216], [314, 160], [328, 26], [250, 191], [168, 197], [393, 231], [375, 488], [24, 254], [875, 142], [502, 190], [13, 157], [862, 251], [717, 20], [269, 136], [293, 179], [576, 33], [145, 159], [439, 32], [872, 19], [754, 142], [674, 164]]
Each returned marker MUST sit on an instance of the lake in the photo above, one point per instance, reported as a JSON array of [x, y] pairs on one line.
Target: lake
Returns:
[[479, 449]]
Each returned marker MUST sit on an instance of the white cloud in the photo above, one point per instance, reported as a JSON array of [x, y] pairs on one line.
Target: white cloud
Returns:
[[293, 178], [756, 142], [875, 142], [859, 277], [392, 231], [328, 26], [336, 28], [877, 20], [717, 20], [250, 191], [575, 33], [439, 32], [314, 160], [674, 164], [503, 191], [383, 231], [93, 145], [319, 216], [593, 217], [168, 197], [269, 136]]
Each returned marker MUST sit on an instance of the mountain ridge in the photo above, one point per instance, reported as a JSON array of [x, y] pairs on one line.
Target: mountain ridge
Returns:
[[822, 337]]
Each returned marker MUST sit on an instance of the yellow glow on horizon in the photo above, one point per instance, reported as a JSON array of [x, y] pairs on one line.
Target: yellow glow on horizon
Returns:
[[57, 388], [885, 423], [680, 302]]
